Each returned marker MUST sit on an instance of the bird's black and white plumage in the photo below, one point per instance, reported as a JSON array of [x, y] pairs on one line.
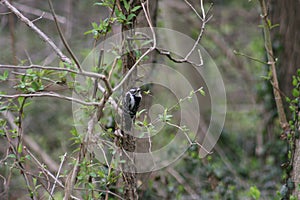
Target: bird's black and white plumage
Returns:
[[131, 104]]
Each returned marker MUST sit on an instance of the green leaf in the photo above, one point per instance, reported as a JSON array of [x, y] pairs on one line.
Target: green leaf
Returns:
[[129, 18], [295, 81], [12, 156], [35, 86], [34, 181], [135, 8], [3, 108], [295, 92], [269, 22], [88, 32], [20, 100], [126, 5], [254, 192], [122, 17], [202, 92], [94, 25], [265, 77], [292, 108], [260, 26], [99, 4], [28, 157], [274, 26], [93, 174], [4, 76], [20, 148]]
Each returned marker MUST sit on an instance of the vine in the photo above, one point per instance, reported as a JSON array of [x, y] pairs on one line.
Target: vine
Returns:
[[291, 137]]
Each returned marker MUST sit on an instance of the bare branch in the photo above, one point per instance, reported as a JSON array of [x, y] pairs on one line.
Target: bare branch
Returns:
[[188, 138], [70, 182], [249, 57], [84, 73], [204, 20], [271, 62], [40, 33], [111, 101], [63, 38], [50, 94], [148, 18], [57, 175]]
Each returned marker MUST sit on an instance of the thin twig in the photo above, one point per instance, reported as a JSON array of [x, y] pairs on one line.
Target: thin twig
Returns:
[[195, 11], [38, 18], [42, 167], [57, 175], [63, 38], [148, 18], [112, 101], [249, 57], [70, 182], [204, 20], [104, 191], [188, 138]]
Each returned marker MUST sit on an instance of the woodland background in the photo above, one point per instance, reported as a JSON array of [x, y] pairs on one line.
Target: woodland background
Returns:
[[253, 158]]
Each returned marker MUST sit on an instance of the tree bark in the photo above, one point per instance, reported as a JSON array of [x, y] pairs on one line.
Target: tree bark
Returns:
[[128, 141], [285, 13]]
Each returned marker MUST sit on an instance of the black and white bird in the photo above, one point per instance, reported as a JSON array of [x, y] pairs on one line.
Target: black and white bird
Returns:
[[132, 100]]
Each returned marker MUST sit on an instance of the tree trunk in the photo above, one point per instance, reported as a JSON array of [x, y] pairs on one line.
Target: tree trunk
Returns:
[[128, 141], [285, 13]]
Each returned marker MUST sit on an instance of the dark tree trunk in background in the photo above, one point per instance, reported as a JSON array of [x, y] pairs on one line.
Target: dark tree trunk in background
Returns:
[[287, 15]]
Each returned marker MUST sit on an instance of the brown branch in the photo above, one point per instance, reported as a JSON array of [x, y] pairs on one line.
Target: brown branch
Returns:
[[84, 73], [63, 38], [50, 94], [272, 62], [40, 33], [70, 182], [204, 20], [57, 174]]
